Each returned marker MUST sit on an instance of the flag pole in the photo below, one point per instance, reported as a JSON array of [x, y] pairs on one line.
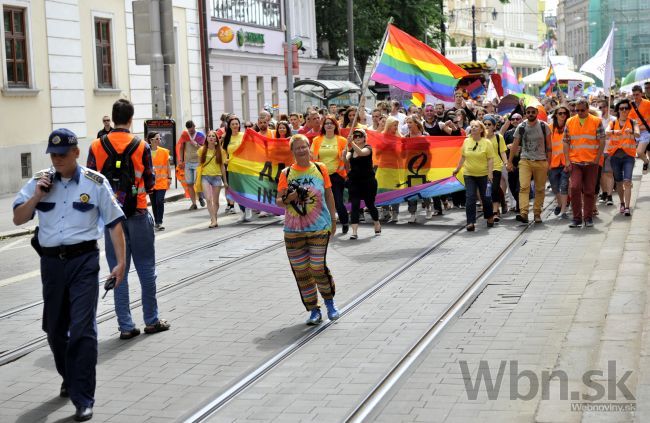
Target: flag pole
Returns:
[[366, 79]]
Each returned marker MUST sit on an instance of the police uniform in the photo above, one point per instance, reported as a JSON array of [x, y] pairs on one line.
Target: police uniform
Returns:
[[72, 217]]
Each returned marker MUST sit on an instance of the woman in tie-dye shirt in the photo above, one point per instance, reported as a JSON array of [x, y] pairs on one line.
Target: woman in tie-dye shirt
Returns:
[[305, 191]]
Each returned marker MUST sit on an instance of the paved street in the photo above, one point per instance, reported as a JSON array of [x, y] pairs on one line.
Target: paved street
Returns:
[[562, 299]]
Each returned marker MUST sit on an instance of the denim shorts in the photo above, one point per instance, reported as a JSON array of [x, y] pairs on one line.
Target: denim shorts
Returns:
[[559, 180], [622, 167], [190, 172], [214, 181], [645, 137]]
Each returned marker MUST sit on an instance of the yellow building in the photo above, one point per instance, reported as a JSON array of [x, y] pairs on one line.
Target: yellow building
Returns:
[[67, 61]]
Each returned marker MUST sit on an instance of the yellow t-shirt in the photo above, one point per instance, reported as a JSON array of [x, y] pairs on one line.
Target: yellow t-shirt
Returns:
[[235, 141], [211, 167], [329, 153], [476, 156], [498, 163]]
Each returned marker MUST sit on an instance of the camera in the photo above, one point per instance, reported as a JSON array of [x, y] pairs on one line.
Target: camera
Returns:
[[303, 192]]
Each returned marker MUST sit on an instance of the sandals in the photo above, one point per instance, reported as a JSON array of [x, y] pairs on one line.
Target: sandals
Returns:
[[160, 326], [213, 225], [470, 227], [354, 237]]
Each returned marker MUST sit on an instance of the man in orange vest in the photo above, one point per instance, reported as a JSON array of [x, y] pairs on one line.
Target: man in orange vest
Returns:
[[584, 142], [138, 226], [641, 113], [162, 169]]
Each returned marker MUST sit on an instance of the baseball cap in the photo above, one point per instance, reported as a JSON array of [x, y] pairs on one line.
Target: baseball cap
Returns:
[[530, 106], [515, 116], [359, 131], [60, 141]]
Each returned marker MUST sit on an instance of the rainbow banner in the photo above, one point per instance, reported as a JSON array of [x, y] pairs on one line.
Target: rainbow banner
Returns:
[[415, 67], [549, 82], [406, 168]]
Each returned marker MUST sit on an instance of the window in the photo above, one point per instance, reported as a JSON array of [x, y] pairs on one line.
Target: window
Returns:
[[103, 53], [227, 94], [256, 12], [26, 165], [275, 91], [244, 98], [16, 47], [260, 93]]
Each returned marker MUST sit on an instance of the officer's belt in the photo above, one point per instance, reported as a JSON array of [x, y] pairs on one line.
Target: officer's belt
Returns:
[[65, 252]]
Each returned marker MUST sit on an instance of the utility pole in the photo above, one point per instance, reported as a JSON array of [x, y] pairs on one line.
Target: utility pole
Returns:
[[443, 31], [157, 66], [289, 58], [473, 34], [350, 42]]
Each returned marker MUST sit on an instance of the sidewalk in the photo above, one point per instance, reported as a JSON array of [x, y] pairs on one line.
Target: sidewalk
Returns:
[[9, 230]]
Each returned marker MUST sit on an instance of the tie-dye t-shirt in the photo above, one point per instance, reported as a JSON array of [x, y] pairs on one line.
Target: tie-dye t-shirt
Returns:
[[311, 215]]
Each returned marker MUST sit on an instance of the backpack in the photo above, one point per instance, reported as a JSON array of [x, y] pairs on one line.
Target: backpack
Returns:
[[120, 173]]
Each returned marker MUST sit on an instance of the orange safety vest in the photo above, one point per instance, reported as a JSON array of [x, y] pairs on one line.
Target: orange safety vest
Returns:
[[161, 168], [623, 141], [557, 148], [342, 143], [120, 140], [584, 144]]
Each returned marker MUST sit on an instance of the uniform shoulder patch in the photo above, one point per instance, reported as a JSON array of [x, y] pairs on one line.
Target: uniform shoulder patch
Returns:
[[96, 177], [40, 173]]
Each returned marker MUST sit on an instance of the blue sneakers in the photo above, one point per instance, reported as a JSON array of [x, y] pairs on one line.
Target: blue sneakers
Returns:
[[315, 318], [332, 312]]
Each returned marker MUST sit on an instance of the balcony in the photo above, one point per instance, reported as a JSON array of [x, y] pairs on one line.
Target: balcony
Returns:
[[519, 57]]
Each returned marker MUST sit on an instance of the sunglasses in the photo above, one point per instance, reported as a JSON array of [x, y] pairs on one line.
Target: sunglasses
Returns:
[[581, 110], [487, 123], [106, 120], [561, 113], [248, 126], [515, 119], [357, 136], [622, 109]]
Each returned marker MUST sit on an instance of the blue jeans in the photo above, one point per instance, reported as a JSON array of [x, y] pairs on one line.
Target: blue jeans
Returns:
[[472, 183], [622, 167], [138, 231], [559, 180]]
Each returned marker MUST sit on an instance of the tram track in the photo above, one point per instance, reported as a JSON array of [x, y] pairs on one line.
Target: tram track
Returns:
[[16, 353], [24, 307], [462, 302]]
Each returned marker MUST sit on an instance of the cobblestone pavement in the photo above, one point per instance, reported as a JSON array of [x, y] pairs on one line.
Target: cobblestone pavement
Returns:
[[568, 300]]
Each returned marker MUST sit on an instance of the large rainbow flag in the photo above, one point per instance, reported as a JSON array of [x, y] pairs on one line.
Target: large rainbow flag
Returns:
[[415, 67], [407, 168]]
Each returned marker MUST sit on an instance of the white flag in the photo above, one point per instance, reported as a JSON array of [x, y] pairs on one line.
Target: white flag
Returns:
[[602, 64], [491, 91]]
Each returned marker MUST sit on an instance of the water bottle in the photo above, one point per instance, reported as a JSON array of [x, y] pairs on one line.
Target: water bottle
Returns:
[[488, 189]]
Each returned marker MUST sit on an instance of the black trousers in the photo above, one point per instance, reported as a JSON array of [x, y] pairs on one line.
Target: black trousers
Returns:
[[338, 186], [366, 191], [513, 184], [70, 293]]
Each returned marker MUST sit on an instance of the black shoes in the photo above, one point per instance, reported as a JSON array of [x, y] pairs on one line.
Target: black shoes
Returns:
[[345, 229], [130, 334], [521, 218], [63, 392], [83, 414], [575, 224]]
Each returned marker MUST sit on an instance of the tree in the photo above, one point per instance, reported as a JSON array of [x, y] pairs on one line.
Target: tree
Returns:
[[419, 18], [488, 43]]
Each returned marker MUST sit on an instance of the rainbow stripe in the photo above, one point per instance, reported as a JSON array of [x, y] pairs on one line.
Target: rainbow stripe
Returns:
[[413, 66], [549, 83], [407, 168], [510, 82]]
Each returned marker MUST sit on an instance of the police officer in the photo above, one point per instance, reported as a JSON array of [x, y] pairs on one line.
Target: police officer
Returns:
[[73, 205]]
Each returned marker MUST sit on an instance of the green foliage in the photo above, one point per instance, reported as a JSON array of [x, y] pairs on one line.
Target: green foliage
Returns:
[[463, 43], [488, 43], [452, 42], [419, 18]]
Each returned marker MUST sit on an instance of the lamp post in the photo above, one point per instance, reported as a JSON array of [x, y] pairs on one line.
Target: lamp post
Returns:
[[443, 32], [473, 34], [474, 9]]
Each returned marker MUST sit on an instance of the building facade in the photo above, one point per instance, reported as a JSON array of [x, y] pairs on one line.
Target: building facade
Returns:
[[511, 28], [64, 64], [573, 30], [631, 41], [247, 49]]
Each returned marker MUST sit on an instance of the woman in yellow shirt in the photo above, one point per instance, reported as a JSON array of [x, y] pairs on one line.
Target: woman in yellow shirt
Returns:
[[348, 118], [477, 162], [213, 174], [328, 148], [499, 146]]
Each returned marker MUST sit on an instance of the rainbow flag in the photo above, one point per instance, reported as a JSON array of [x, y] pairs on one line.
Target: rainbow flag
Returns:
[[407, 168], [415, 67], [510, 82], [549, 83], [417, 99]]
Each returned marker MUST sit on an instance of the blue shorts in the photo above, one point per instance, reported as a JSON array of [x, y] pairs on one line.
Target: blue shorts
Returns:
[[214, 181], [644, 138], [622, 167], [190, 172], [559, 180]]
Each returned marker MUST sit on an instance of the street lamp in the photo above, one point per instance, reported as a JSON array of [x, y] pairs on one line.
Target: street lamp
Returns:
[[474, 9]]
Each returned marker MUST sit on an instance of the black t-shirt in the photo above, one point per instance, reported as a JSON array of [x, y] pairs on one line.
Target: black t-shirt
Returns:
[[361, 167], [103, 132], [509, 138]]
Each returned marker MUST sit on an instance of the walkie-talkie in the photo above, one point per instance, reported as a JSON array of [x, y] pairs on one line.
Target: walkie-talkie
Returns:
[[108, 285]]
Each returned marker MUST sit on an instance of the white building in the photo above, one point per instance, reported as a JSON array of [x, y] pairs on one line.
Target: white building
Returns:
[[514, 28], [573, 30], [69, 61], [246, 41]]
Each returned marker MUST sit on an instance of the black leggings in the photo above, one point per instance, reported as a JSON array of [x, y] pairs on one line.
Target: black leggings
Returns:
[[365, 190], [338, 186]]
